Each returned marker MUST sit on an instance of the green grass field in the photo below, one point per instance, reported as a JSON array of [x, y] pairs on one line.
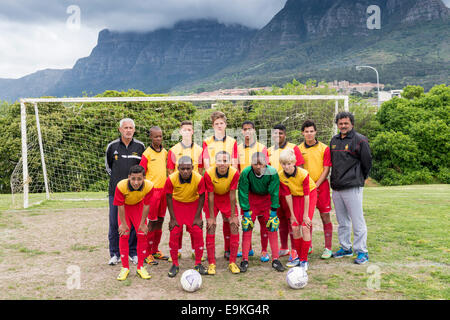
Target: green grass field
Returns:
[[408, 245]]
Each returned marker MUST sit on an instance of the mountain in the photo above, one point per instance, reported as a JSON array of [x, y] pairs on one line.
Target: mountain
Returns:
[[32, 85], [320, 39]]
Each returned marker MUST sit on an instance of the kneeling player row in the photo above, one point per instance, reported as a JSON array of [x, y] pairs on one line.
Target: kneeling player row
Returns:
[[259, 187]]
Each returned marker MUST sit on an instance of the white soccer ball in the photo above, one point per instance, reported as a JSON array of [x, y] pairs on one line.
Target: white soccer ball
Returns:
[[297, 278], [191, 280]]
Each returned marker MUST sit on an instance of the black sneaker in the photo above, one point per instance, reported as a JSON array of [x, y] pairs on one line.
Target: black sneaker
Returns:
[[201, 269], [226, 255], [174, 271], [243, 266], [276, 264]]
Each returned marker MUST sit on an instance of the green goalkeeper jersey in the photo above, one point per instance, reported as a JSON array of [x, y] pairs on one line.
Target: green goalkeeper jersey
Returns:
[[268, 183]]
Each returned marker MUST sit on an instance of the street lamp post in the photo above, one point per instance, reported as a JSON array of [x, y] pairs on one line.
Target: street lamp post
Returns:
[[378, 80]]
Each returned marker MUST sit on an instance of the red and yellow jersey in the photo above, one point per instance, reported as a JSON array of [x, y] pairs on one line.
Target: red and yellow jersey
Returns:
[[316, 158], [125, 194], [246, 152], [185, 190], [297, 184], [274, 155], [211, 146], [154, 163], [194, 151], [221, 185]]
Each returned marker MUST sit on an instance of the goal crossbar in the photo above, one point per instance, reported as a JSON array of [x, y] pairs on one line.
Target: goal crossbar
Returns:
[[194, 98]]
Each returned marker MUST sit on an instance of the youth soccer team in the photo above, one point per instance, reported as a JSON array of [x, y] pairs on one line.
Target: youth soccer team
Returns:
[[279, 186]]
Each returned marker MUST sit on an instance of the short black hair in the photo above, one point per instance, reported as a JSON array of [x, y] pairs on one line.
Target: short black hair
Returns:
[[280, 127], [136, 169], [345, 114], [257, 156], [185, 160], [307, 124], [248, 122], [155, 128], [223, 152]]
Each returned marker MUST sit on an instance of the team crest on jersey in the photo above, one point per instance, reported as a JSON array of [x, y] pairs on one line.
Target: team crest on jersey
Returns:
[[346, 147], [116, 157], [333, 146]]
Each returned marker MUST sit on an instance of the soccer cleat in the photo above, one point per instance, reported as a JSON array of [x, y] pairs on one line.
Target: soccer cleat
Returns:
[[293, 263], [133, 259], [244, 266], [283, 252], [327, 254], [304, 265], [226, 255], [151, 260], [276, 264], [251, 253], [293, 255], [170, 258], [160, 256], [234, 268], [201, 269], [173, 271], [212, 269], [193, 257], [114, 260], [310, 250], [123, 274], [343, 253], [264, 256], [142, 272], [362, 258]]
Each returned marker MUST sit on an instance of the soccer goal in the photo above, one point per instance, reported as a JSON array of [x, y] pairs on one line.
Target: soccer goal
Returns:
[[64, 139]]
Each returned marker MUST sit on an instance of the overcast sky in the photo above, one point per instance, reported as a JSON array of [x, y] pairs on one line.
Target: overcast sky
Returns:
[[36, 36]]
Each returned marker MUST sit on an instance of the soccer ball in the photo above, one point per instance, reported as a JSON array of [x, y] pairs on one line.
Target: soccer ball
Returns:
[[191, 280], [297, 278]]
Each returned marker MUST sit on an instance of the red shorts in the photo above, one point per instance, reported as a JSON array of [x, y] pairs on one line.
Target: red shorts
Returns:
[[299, 206], [158, 205], [324, 198], [133, 215], [259, 205], [221, 203], [283, 211], [185, 212]]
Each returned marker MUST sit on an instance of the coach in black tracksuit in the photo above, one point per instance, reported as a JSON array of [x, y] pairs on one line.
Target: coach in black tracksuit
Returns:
[[351, 163], [121, 155]]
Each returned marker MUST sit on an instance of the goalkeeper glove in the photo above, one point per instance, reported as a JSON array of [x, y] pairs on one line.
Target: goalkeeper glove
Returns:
[[273, 223], [247, 223]]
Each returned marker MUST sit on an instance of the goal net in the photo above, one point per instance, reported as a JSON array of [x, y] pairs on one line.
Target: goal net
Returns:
[[64, 139]]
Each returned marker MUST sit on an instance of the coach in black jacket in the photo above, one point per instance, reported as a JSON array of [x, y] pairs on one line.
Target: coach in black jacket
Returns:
[[351, 163], [121, 155]]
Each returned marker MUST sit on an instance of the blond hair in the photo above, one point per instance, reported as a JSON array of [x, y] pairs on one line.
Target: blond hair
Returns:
[[288, 156]]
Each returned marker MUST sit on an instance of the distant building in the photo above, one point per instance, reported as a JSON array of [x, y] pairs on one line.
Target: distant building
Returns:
[[346, 87]]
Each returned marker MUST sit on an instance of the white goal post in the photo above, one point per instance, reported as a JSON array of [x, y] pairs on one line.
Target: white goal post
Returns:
[[35, 102]]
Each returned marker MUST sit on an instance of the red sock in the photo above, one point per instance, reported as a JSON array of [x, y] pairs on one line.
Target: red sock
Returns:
[[264, 233], [328, 233], [174, 241], [124, 250], [180, 244], [211, 248], [304, 248], [246, 242], [156, 240], [297, 244], [284, 233], [273, 240], [311, 234], [197, 239], [226, 235], [141, 248], [150, 237], [234, 247]]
